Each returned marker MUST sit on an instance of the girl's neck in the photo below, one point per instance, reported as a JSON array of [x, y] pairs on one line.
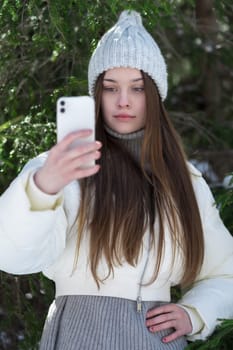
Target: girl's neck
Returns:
[[132, 141]]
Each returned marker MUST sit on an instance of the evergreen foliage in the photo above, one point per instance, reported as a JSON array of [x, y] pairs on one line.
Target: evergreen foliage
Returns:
[[45, 47]]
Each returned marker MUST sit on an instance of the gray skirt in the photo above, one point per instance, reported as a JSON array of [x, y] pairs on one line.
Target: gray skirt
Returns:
[[101, 323]]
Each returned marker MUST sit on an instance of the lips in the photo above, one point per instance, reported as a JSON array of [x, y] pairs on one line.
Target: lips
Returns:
[[124, 116]]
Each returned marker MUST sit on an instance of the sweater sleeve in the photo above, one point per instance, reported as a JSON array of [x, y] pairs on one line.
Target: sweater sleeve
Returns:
[[40, 200], [33, 225], [211, 296]]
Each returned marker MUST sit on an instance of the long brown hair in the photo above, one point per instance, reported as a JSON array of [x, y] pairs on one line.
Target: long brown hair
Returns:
[[125, 198]]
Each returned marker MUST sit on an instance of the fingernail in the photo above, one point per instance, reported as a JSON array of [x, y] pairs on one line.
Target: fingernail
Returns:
[[164, 340]]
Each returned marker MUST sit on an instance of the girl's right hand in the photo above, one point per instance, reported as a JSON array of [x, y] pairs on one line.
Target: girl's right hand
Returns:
[[64, 164]]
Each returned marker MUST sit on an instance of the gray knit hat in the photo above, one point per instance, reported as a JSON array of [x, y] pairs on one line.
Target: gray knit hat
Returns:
[[128, 44]]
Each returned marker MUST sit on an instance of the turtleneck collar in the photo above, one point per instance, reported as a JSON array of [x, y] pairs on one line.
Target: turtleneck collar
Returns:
[[132, 141], [131, 136]]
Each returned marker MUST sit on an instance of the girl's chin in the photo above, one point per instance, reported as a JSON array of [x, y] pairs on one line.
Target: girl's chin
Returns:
[[123, 129]]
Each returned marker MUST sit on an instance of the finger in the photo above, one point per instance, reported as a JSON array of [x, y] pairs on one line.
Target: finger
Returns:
[[71, 137], [69, 162], [83, 149], [163, 326], [77, 174], [173, 336], [160, 319], [83, 160], [86, 172], [161, 310]]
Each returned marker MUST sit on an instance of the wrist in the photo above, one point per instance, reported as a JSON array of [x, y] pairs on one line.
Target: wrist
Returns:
[[43, 184], [196, 321], [39, 200]]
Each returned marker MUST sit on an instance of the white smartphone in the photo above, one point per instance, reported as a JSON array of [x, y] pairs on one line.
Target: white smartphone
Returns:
[[76, 113]]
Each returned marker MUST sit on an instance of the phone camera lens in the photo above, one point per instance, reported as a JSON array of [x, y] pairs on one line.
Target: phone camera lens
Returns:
[[62, 110], [62, 103]]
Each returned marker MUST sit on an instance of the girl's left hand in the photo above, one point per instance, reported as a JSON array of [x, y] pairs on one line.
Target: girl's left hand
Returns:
[[169, 316]]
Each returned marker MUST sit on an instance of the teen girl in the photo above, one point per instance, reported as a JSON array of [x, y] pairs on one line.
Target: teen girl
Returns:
[[117, 236]]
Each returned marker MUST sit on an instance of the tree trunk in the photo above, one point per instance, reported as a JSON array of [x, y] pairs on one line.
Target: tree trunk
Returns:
[[207, 27]]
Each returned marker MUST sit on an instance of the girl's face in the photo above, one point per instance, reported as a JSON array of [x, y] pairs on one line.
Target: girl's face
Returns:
[[123, 100]]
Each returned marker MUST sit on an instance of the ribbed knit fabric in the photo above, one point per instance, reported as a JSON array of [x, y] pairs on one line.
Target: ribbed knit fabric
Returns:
[[128, 44], [132, 142], [101, 323]]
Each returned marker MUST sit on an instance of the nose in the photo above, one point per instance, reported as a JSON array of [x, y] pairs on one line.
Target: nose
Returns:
[[123, 100]]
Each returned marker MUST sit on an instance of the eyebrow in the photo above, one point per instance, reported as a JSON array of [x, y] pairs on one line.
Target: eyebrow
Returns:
[[115, 81]]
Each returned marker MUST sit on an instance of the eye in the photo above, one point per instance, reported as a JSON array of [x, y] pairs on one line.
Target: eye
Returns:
[[138, 88], [109, 88]]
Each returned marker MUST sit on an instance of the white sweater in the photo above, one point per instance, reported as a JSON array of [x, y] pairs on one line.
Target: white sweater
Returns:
[[38, 233]]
